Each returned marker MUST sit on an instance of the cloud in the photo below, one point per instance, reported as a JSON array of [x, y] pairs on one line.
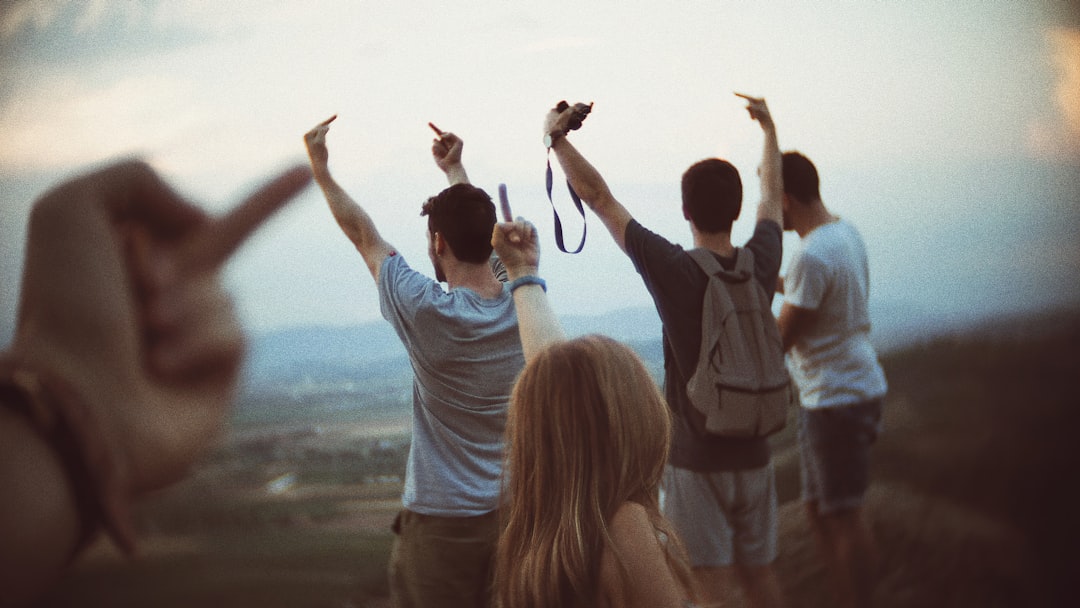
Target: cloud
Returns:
[[558, 44], [1061, 136], [1066, 46], [54, 126]]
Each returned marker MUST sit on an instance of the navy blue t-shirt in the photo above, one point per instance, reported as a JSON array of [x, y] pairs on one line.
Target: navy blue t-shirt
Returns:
[[677, 285]]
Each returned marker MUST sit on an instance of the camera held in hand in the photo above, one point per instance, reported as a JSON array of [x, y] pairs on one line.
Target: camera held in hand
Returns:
[[578, 113]]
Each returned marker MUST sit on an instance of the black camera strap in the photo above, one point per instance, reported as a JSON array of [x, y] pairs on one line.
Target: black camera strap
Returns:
[[558, 223]]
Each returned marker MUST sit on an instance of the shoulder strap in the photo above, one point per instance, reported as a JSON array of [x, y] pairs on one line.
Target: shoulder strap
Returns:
[[558, 224], [744, 264]]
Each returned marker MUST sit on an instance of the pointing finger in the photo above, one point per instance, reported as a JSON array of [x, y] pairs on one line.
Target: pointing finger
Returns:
[[436, 129], [750, 98], [504, 204], [210, 247]]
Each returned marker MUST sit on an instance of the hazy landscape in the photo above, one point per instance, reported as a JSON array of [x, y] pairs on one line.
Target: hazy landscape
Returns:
[[971, 503]]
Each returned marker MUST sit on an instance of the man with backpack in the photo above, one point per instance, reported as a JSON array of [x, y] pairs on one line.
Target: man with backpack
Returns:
[[825, 323], [719, 487]]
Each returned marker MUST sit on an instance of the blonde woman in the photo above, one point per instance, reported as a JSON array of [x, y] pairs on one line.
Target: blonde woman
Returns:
[[587, 438]]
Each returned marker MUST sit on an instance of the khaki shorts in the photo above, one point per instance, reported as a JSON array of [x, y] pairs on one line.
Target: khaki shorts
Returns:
[[723, 517], [442, 561]]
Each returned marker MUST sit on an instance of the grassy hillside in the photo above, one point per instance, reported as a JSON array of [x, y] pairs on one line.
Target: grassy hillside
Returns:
[[972, 504]]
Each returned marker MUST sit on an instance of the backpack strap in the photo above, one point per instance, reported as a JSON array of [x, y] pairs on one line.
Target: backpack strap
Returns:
[[744, 264]]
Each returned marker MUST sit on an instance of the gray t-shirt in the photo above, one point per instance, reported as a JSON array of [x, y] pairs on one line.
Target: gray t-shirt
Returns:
[[465, 353]]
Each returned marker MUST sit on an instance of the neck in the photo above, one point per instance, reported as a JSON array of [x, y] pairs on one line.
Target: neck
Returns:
[[717, 242], [477, 277], [815, 215]]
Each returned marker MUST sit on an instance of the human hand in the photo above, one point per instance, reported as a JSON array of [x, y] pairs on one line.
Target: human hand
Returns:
[[446, 150], [758, 110], [121, 299], [518, 246], [315, 140]]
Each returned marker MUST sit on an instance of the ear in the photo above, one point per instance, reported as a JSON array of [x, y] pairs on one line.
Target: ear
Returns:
[[439, 243]]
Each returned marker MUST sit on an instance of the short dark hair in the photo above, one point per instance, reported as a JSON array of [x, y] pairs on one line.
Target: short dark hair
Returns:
[[465, 216], [800, 178], [712, 194]]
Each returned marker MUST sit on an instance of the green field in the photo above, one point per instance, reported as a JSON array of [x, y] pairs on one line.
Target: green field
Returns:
[[971, 506]]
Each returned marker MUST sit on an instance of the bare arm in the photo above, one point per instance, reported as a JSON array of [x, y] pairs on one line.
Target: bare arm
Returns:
[[586, 180], [649, 580], [771, 171], [353, 220], [517, 245], [793, 322]]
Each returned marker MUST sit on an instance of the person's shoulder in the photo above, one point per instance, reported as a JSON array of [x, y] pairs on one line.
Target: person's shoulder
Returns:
[[630, 520]]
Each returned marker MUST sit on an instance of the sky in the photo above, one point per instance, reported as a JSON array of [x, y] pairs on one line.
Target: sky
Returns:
[[948, 132]]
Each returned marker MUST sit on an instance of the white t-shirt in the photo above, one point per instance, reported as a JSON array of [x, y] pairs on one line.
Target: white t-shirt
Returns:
[[832, 361], [465, 352]]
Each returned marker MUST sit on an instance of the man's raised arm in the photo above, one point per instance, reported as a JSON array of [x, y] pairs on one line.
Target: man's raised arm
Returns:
[[771, 206], [353, 220], [585, 179]]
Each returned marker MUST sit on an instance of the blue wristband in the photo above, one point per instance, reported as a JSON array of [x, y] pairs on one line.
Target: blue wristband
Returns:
[[529, 279]]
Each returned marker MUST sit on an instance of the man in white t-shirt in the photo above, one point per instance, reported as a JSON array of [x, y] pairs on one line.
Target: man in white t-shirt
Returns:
[[825, 325]]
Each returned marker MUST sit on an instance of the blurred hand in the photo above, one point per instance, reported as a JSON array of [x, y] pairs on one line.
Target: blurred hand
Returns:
[[315, 140], [758, 110], [121, 298], [517, 245]]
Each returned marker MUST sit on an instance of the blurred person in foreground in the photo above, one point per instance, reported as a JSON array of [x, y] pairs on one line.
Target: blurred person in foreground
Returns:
[[720, 491], [465, 352], [825, 325], [587, 439], [124, 362]]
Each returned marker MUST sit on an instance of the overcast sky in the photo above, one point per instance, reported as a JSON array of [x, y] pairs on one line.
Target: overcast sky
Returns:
[[217, 95]]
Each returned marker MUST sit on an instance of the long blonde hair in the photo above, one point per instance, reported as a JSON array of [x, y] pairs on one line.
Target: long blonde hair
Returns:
[[588, 430]]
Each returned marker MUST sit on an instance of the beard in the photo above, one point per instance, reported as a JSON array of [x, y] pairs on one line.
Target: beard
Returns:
[[440, 275]]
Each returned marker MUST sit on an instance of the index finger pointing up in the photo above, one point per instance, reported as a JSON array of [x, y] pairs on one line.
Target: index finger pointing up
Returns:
[[211, 246]]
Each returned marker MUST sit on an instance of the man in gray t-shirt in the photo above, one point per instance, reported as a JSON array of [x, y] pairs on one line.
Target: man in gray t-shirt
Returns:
[[465, 352]]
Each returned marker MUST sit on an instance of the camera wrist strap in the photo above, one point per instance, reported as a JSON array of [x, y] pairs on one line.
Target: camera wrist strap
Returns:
[[558, 223]]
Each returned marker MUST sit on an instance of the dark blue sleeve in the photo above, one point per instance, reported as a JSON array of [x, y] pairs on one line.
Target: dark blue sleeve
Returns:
[[767, 243]]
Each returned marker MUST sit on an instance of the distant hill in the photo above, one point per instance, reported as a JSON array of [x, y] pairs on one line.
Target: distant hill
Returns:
[[285, 358]]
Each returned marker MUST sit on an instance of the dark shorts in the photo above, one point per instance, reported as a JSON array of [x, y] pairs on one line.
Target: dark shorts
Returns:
[[442, 561], [834, 445]]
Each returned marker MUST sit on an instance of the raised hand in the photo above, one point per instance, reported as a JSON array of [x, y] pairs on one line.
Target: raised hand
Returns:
[[315, 140], [517, 245], [758, 110], [446, 150], [121, 299]]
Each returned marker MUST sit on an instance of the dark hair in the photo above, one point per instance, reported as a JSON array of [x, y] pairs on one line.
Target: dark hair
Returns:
[[465, 216], [800, 178], [712, 194]]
